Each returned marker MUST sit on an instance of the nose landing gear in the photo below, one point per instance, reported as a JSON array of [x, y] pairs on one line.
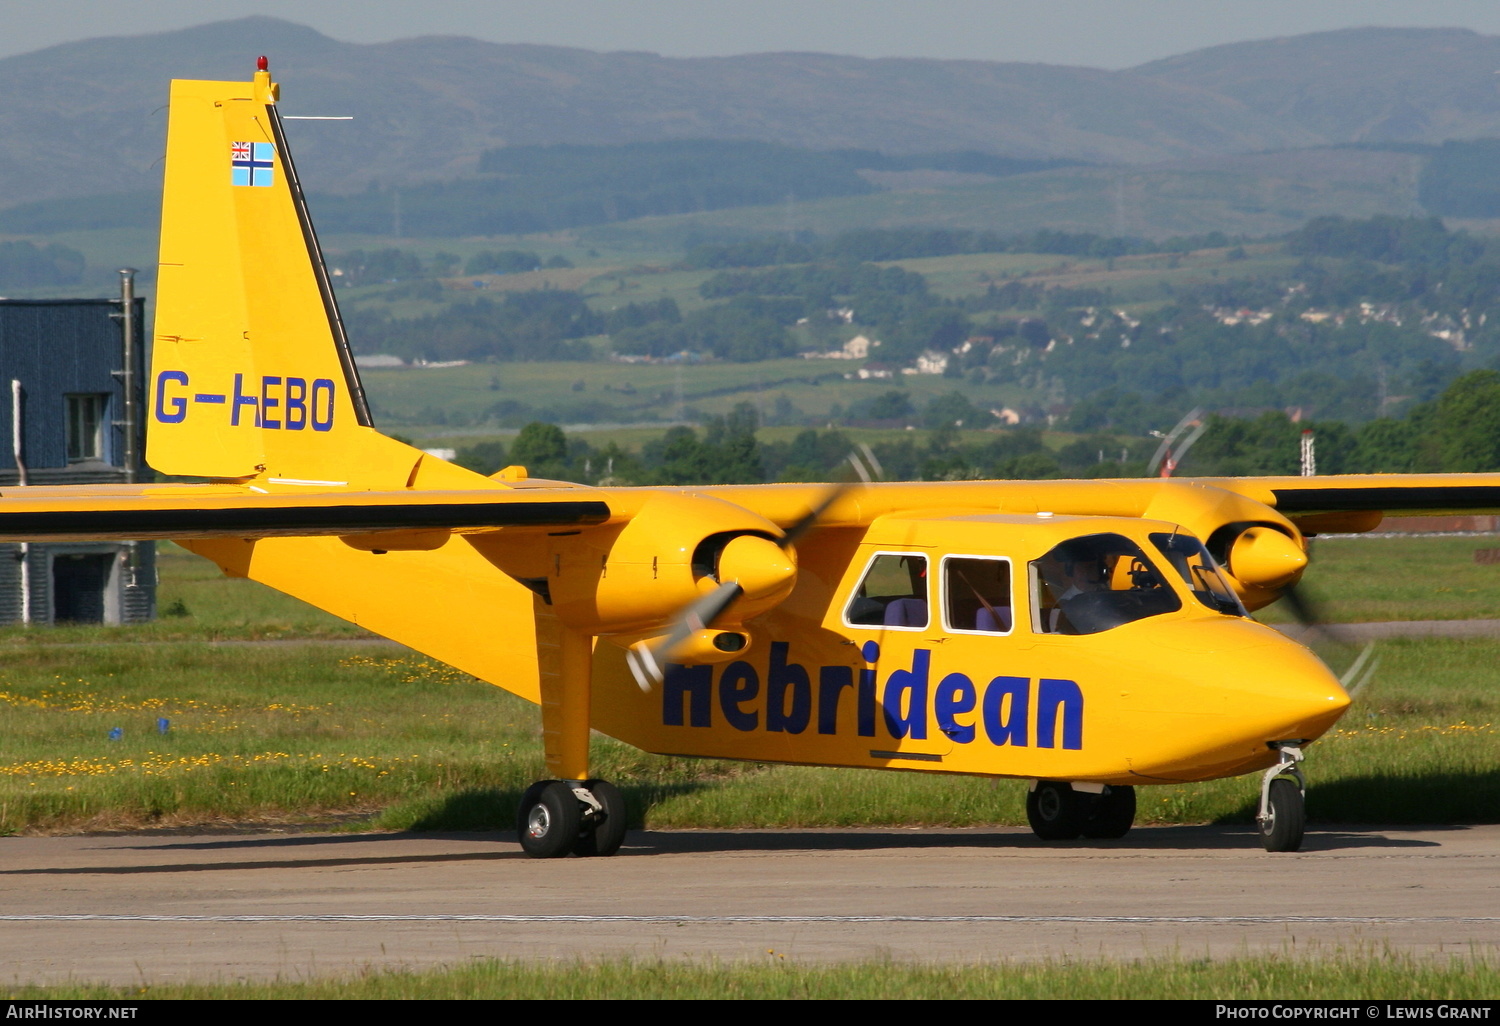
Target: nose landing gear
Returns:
[[1282, 790]]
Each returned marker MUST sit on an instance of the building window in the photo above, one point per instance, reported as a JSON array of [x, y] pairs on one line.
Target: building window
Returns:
[[86, 427]]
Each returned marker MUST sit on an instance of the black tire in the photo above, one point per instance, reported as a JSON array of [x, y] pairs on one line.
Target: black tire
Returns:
[[604, 834], [1053, 811], [550, 821], [1112, 814], [1282, 830]]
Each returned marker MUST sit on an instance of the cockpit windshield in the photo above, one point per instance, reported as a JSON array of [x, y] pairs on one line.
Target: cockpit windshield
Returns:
[[1199, 572], [1094, 583]]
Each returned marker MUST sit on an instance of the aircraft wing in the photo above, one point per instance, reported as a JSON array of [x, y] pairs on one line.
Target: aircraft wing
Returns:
[[1349, 502], [85, 513]]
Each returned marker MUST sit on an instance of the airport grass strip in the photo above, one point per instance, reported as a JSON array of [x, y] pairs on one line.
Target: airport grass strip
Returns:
[[330, 736], [1365, 974]]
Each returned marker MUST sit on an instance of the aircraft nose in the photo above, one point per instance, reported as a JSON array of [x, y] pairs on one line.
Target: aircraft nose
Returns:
[[1294, 694], [1237, 688]]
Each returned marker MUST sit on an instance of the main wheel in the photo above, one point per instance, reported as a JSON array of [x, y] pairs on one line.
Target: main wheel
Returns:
[[605, 832], [1112, 813], [1282, 829], [528, 799], [1053, 811], [550, 820]]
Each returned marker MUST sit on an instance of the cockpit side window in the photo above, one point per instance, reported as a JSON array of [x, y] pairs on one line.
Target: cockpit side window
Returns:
[[893, 593], [1186, 554], [1094, 583], [976, 595]]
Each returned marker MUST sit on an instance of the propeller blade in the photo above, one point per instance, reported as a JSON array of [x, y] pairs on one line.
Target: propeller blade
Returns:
[[801, 527], [1362, 670], [865, 466], [1301, 607], [646, 660]]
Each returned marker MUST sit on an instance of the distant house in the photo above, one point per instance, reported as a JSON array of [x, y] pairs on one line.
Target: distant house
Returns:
[[929, 362], [857, 348], [366, 361], [64, 401]]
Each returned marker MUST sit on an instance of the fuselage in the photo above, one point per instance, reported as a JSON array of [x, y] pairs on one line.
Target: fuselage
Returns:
[[1190, 692]]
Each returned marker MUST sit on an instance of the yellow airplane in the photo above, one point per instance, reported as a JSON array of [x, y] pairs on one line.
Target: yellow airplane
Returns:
[[1085, 636]]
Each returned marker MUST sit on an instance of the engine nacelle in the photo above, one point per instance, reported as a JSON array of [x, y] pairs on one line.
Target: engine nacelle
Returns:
[[1263, 557], [1260, 550], [677, 548]]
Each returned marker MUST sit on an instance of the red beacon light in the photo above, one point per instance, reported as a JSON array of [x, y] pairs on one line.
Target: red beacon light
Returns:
[[262, 64]]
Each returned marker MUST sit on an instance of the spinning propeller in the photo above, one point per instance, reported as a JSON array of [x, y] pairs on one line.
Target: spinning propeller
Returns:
[[1316, 625], [747, 563]]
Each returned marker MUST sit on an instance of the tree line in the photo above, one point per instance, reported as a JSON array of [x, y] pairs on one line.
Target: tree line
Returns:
[[1459, 432]]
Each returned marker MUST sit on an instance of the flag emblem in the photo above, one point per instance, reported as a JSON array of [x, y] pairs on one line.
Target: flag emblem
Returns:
[[252, 163]]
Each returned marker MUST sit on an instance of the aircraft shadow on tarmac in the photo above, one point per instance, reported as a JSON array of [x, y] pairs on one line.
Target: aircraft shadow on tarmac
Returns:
[[1176, 839], [1167, 839]]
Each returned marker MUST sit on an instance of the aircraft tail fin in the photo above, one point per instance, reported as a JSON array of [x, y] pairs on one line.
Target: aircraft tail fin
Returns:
[[252, 375]]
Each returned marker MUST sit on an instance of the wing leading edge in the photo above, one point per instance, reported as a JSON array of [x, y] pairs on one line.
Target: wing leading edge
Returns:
[[174, 511], [1365, 496]]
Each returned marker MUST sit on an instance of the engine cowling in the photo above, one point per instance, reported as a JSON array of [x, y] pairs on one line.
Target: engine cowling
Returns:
[[677, 548], [1263, 557], [1259, 549]]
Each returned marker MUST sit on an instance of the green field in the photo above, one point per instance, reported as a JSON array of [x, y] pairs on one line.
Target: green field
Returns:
[[450, 402], [1253, 194], [320, 727], [1364, 580], [1361, 975], [1257, 195], [425, 402]]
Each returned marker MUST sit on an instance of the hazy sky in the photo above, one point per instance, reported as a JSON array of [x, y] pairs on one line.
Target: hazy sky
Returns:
[[1098, 33]]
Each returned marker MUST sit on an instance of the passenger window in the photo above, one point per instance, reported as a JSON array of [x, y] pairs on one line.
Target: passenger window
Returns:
[[976, 595], [892, 594]]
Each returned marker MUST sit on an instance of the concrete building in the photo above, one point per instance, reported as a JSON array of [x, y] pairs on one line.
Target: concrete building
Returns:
[[64, 389]]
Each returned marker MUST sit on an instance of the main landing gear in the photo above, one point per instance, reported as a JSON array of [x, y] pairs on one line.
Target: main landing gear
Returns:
[[1060, 812], [574, 813], [1282, 790], [557, 818]]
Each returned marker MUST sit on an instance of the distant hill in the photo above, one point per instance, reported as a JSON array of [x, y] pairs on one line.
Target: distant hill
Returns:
[[1355, 85], [86, 118]]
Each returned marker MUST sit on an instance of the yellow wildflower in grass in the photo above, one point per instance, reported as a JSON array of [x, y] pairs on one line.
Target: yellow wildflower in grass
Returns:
[[59, 697], [411, 671], [1399, 733], [157, 764]]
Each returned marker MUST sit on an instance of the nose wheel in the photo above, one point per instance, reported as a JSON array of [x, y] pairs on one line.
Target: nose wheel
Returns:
[[1282, 817], [557, 818]]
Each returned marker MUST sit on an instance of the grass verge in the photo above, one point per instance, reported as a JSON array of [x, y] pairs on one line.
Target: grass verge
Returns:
[[1435, 577], [1360, 976], [316, 733]]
